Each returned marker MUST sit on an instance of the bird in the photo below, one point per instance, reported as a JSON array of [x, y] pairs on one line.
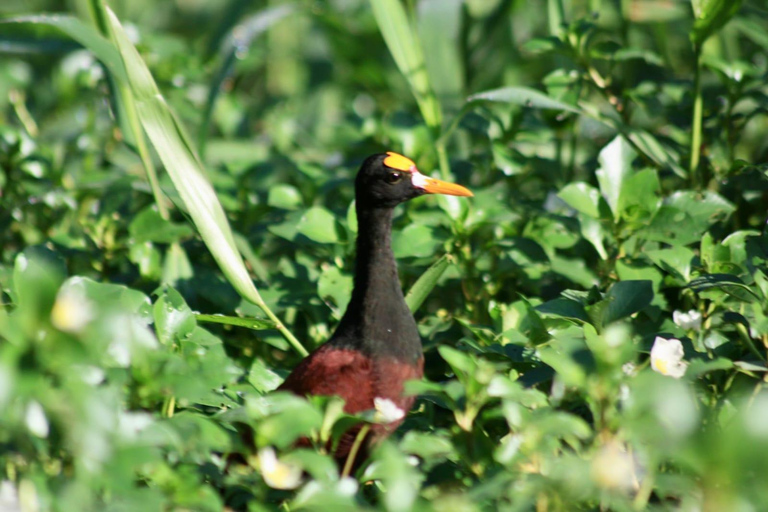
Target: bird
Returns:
[[376, 346]]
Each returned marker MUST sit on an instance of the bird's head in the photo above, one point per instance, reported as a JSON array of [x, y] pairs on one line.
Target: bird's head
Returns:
[[387, 179]]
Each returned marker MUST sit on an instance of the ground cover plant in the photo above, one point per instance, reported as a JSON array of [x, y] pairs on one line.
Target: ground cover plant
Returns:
[[176, 232]]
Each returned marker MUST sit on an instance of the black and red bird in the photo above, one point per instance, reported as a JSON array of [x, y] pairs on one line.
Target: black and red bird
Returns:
[[376, 347]]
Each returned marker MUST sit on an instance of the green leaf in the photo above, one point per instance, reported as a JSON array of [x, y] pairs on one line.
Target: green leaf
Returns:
[[83, 34], [284, 196], [335, 286], [639, 197], [174, 320], [615, 167], [426, 282], [150, 226], [711, 15], [416, 240], [725, 282], [564, 308], [406, 50], [525, 97], [593, 232], [319, 225], [582, 197], [685, 216], [257, 324], [622, 300], [675, 260]]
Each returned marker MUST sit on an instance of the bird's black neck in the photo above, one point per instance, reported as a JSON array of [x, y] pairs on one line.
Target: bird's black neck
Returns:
[[377, 320]]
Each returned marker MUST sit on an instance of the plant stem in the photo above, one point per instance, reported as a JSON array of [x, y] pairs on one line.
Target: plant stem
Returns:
[[442, 156], [169, 406], [355, 449], [288, 335], [696, 121], [745, 338], [17, 99]]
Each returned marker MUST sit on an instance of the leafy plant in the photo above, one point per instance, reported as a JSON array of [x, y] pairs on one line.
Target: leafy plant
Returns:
[[594, 320]]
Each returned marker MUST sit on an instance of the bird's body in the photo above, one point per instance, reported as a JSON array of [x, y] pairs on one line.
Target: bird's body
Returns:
[[376, 347]]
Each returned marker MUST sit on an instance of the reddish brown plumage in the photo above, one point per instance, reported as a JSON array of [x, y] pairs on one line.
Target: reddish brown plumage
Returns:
[[358, 379]]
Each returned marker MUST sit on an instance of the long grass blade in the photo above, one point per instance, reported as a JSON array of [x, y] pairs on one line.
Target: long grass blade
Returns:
[[406, 50], [183, 166]]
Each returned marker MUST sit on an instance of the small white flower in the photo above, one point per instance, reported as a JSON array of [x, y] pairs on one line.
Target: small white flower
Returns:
[[667, 357], [347, 486], [278, 474], [72, 310], [629, 369], [9, 497], [614, 468], [689, 320], [386, 411], [91, 375], [35, 419]]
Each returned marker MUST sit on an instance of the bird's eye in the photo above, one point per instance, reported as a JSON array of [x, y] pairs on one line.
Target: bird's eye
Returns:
[[394, 177]]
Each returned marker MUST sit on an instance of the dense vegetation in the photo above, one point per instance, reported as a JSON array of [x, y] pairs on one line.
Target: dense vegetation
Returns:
[[595, 319]]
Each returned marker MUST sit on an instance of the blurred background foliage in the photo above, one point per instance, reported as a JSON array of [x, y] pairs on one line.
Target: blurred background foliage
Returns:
[[617, 154]]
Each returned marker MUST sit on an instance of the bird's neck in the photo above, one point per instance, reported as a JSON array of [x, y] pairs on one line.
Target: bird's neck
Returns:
[[377, 320]]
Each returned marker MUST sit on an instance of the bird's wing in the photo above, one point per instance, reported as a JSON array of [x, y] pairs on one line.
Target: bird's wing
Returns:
[[334, 371]]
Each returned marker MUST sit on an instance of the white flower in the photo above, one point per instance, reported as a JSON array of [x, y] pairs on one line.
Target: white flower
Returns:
[[689, 320], [667, 357], [278, 474], [386, 411], [614, 468], [347, 486], [629, 369], [72, 310], [35, 419], [9, 497]]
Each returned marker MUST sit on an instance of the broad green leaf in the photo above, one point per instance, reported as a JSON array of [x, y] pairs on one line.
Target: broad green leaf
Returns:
[[639, 198], [525, 97], [335, 286], [416, 240], [572, 373], [319, 225], [711, 15], [406, 50], [582, 197], [256, 324], [174, 320], [426, 282], [150, 226], [685, 216], [461, 363], [622, 300], [615, 167], [565, 308], [593, 232], [286, 197]]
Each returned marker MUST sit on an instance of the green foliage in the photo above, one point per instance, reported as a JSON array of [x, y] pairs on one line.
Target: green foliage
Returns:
[[594, 319]]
